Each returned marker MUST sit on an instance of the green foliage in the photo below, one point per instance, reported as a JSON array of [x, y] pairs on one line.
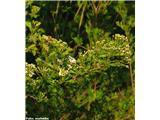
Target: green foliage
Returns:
[[79, 68]]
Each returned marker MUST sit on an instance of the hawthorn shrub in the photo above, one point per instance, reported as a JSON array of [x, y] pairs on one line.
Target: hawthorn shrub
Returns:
[[91, 80], [60, 86]]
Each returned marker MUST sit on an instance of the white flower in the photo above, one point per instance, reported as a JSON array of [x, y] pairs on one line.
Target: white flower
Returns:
[[31, 74], [29, 69], [72, 60], [62, 72], [59, 61], [45, 37], [32, 66], [69, 67]]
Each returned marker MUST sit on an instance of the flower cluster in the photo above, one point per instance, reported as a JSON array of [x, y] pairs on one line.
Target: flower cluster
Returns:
[[62, 71], [30, 68]]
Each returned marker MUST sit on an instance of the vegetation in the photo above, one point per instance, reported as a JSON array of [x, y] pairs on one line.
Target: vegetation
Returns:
[[80, 60]]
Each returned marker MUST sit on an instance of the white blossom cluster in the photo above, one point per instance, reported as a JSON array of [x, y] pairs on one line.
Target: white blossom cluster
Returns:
[[120, 37], [30, 68], [72, 60], [62, 71], [56, 42]]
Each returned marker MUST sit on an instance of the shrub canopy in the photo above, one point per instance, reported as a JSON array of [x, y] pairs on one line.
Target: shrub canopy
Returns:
[[80, 60]]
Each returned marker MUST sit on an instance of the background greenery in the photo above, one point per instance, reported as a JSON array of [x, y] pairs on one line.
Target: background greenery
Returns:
[[80, 60]]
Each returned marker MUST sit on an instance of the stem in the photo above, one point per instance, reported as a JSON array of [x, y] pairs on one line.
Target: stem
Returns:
[[57, 7]]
